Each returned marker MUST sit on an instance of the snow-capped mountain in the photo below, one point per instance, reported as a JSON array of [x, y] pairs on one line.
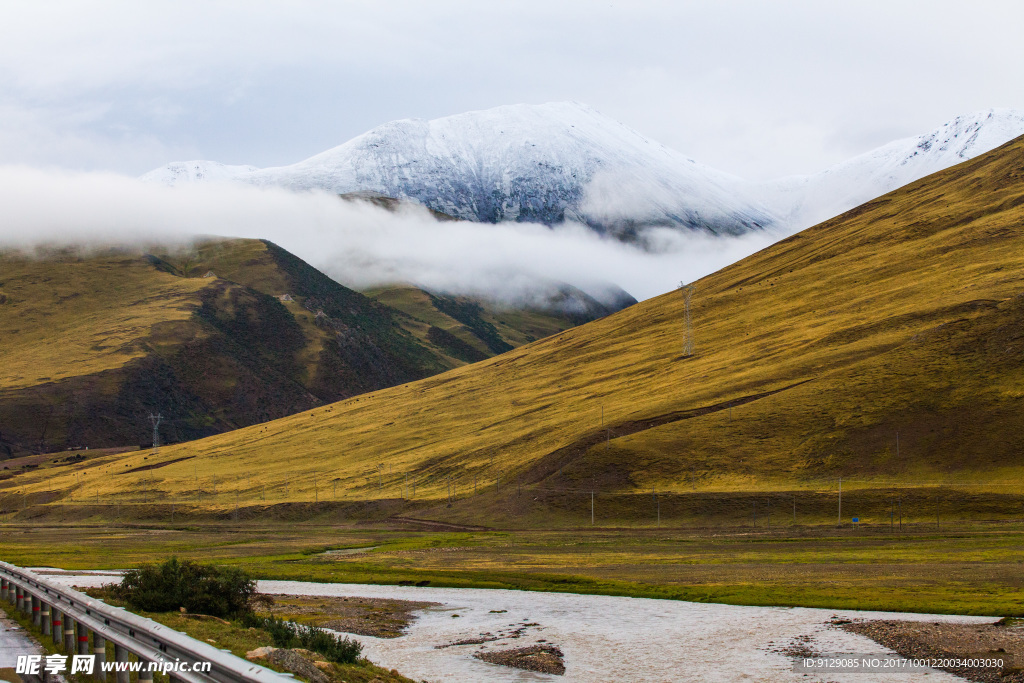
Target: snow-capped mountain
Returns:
[[564, 161], [196, 172], [802, 201], [536, 163]]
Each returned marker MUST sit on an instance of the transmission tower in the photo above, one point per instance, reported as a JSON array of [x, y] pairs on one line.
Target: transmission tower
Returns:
[[155, 419], [687, 292]]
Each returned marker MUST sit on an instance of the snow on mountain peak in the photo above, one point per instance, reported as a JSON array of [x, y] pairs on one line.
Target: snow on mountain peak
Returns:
[[543, 163], [565, 161], [802, 201], [179, 172]]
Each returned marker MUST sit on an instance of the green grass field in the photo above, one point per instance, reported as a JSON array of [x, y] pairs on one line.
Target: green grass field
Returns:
[[969, 569]]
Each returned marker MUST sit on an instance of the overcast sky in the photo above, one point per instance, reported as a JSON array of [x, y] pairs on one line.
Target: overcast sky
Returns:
[[760, 89]]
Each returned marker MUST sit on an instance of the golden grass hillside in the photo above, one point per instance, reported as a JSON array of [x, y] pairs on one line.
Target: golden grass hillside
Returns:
[[93, 342], [903, 316]]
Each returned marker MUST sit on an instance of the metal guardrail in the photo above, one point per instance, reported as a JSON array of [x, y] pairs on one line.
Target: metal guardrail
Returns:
[[148, 640]]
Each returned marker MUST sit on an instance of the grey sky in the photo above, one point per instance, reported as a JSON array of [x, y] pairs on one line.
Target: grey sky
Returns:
[[760, 89]]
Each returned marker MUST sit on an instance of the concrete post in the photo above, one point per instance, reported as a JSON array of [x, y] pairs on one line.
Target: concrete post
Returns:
[[69, 635], [83, 639], [3, 588], [120, 655], [19, 599], [44, 616], [37, 618], [99, 648], [58, 627]]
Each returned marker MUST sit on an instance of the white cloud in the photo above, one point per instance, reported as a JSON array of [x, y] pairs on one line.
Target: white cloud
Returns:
[[758, 89], [356, 243]]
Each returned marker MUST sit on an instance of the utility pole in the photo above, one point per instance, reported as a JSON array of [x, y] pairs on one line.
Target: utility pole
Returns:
[[155, 419]]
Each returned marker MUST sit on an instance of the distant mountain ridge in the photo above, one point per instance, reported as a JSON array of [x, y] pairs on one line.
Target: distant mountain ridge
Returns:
[[565, 161], [805, 200], [546, 163]]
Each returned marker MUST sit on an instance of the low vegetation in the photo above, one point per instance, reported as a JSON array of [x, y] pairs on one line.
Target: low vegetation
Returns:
[[188, 586], [288, 634]]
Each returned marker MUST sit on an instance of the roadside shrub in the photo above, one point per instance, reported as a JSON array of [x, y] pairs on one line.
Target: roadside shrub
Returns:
[[281, 632], [175, 584], [343, 650]]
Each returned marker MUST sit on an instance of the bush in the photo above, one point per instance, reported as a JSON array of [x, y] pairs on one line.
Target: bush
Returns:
[[199, 589], [343, 650]]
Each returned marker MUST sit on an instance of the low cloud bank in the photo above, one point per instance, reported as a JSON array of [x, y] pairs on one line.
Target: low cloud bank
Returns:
[[357, 243]]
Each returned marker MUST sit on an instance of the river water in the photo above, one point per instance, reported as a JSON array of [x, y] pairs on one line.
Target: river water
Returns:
[[605, 638]]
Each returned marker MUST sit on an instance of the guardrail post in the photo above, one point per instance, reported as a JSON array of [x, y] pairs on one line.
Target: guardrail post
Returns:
[[69, 635], [83, 639], [57, 632], [19, 599], [3, 588], [145, 676], [37, 618], [99, 648], [120, 655], [44, 617]]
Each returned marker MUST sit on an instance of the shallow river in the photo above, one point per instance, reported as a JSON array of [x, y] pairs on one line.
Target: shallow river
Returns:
[[605, 638]]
